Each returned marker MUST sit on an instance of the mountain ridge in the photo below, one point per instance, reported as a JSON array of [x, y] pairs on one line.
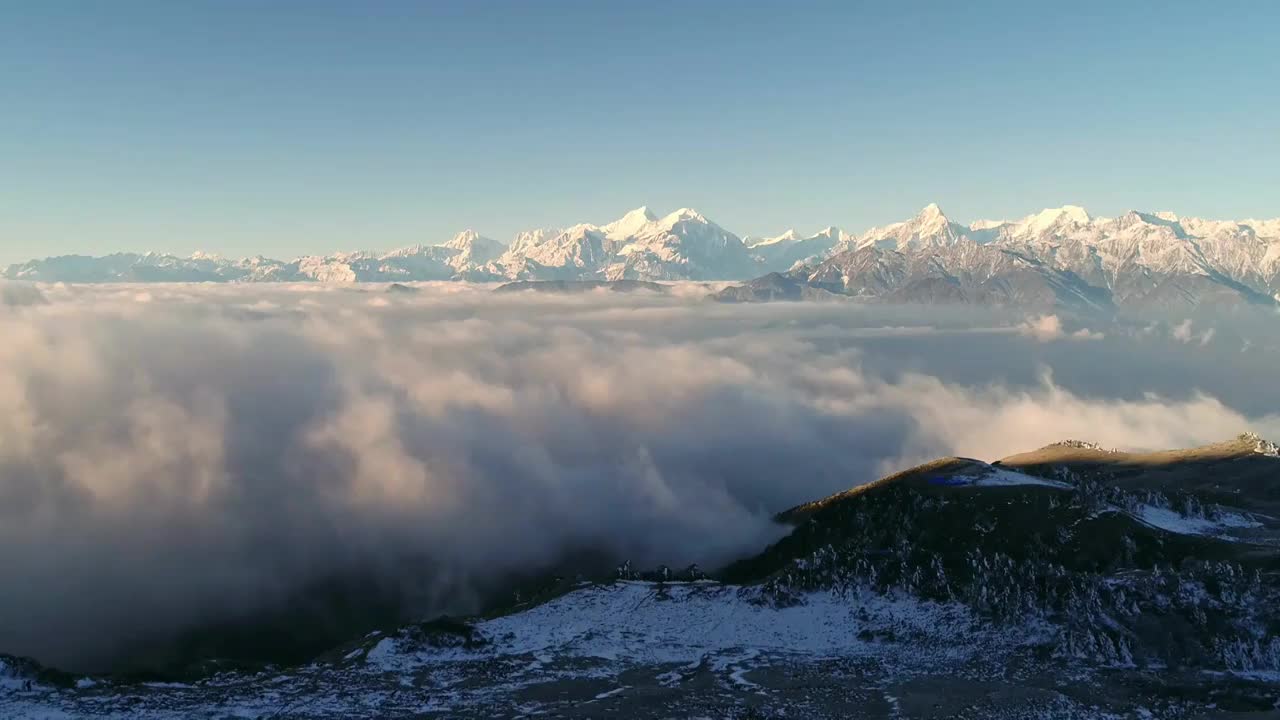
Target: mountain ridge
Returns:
[[1056, 257]]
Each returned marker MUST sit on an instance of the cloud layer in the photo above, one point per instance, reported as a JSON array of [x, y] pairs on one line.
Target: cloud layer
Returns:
[[185, 455]]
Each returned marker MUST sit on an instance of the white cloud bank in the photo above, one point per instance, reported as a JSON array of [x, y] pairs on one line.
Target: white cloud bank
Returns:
[[202, 453]]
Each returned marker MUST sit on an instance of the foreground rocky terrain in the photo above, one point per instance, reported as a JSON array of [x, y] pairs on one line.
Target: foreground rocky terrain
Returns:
[[1072, 581]]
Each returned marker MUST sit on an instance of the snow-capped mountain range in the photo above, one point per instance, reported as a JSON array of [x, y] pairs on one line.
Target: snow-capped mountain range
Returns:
[[1059, 254], [1058, 257]]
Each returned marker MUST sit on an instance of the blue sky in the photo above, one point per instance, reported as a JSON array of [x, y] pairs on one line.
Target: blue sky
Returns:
[[290, 127]]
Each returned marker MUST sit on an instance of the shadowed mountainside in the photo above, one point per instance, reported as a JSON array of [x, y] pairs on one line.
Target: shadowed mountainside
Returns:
[[1146, 580]]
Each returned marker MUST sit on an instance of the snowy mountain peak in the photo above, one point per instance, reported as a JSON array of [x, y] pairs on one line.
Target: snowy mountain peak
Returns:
[[472, 249], [682, 215], [629, 224], [578, 231], [931, 215], [929, 228], [790, 236], [643, 212], [1056, 217], [1264, 228], [407, 251], [464, 239], [1136, 218], [1074, 213], [931, 218], [532, 238]]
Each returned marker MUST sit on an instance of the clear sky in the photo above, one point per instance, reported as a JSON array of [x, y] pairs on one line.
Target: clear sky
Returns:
[[288, 127]]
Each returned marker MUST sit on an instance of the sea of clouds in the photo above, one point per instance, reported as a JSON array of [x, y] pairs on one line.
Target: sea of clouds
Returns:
[[175, 455]]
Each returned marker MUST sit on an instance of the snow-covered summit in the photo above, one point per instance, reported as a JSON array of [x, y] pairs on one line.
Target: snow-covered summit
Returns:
[[930, 228], [1061, 217], [531, 238], [473, 250], [629, 224], [682, 215], [465, 240], [789, 236]]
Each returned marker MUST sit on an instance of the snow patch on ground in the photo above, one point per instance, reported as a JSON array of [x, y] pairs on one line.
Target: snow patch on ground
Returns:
[[895, 705], [679, 632], [611, 693], [691, 623], [382, 653], [1171, 521], [997, 477]]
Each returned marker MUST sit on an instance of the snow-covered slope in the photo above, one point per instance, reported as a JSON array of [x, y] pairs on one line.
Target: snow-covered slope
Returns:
[[683, 623]]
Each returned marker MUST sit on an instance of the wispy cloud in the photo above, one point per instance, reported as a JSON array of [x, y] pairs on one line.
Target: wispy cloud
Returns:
[[1048, 328]]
